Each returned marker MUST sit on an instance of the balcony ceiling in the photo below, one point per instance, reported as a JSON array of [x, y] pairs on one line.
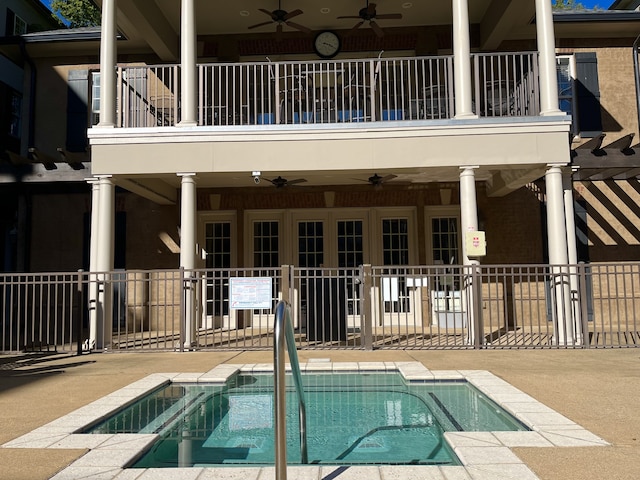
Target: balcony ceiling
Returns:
[[156, 23], [230, 17]]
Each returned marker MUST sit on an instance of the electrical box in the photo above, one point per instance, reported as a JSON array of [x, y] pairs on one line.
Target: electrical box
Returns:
[[475, 243]]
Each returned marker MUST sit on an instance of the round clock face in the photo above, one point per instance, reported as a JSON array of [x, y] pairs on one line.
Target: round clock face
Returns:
[[327, 44]]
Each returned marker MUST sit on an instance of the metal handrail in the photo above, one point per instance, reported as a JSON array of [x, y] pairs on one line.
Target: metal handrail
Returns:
[[283, 323]]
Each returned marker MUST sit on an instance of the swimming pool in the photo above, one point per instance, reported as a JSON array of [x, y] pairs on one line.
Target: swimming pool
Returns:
[[363, 418], [482, 454]]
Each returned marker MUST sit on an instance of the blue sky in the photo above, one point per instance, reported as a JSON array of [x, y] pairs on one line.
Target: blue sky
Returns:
[[600, 4]]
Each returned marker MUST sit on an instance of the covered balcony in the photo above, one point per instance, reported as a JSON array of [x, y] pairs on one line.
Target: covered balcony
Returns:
[[444, 84], [377, 89]]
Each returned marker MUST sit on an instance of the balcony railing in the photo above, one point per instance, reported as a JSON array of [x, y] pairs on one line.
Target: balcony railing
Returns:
[[348, 91]]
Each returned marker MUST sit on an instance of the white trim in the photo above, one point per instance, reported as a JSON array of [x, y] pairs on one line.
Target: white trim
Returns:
[[408, 129]]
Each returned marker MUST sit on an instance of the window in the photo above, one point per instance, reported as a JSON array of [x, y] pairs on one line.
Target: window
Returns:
[[566, 73], [14, 25], [15, 102], [95, 98], [444, 240], [19, 25], [579, 92]]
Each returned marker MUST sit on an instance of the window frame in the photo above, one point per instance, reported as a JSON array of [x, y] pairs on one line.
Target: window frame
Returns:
[[572, 95]]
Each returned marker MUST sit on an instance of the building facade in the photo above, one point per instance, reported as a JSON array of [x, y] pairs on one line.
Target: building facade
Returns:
[[239, 137]]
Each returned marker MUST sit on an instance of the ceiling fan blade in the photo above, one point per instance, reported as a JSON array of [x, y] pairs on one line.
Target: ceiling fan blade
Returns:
[[295, 13], [297, 180], [297, 26], [389, 16], [266, 12], [356, 26], [260, 25], [376, 28], [386, 178], [349, 16]]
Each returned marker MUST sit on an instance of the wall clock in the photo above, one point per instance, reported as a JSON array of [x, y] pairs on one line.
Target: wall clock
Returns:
[[327, 44]]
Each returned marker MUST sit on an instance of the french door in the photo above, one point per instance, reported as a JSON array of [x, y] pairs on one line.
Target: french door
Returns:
[[219, 256]]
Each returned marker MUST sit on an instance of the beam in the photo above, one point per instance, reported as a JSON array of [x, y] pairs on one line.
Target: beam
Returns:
[[506, 181], [152, 189], [605, 158]]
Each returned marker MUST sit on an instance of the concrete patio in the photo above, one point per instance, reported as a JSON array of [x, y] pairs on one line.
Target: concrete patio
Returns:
[[599, 390]]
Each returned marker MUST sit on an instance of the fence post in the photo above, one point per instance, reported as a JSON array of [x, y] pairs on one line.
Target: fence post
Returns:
[[366, 318], [79, 301], [285, 272], [183, 307], [476, 303], [583, 305]]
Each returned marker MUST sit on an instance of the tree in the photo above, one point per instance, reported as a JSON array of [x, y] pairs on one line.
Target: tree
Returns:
[[77, 13], [567, 5]]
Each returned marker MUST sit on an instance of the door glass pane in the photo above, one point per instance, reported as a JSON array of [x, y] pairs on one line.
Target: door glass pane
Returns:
[[445, 250], [266, 254], [395, 251], [310, 256], [266, 246], [444, 240], [310, 244], [218, 257], [351, 256]]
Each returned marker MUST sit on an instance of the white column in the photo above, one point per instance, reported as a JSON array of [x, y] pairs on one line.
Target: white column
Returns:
[[469, 223], [462, 60], [108, 61], [547, 57], [188, 246], [104, 261], [188, 67], [93, 261], [558, 256], [572, 253]]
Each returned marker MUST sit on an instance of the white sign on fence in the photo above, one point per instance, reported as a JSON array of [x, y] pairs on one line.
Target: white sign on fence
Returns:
[[250, 292]]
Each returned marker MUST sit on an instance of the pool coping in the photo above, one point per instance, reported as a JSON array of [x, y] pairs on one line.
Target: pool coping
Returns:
[[484, 455]]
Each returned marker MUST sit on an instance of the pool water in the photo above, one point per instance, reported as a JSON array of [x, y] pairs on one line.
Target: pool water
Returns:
[[352, 419]]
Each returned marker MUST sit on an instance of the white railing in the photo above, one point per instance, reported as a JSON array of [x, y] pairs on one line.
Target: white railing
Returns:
[[506, 85], [347, 91]]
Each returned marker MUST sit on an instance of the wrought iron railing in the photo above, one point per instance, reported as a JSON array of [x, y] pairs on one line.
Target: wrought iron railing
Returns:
[[380, 307]]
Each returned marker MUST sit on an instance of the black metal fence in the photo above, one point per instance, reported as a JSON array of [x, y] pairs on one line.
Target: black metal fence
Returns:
[[369, 307]]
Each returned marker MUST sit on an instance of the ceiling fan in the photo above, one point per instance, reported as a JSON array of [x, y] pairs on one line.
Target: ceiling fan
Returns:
[[282, 17], [369, 14], [280, 182], [376, 180]]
